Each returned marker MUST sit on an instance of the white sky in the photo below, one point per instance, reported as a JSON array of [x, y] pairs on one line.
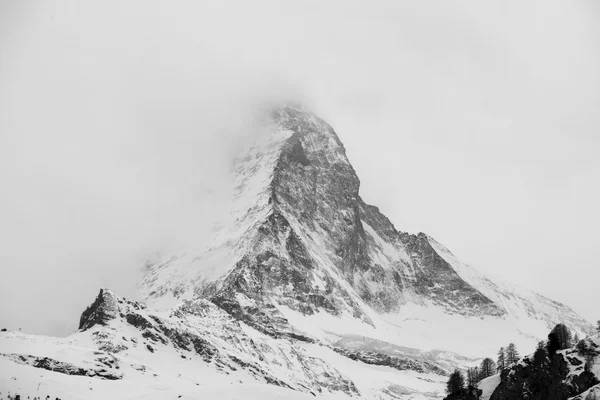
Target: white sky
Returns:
[[477, 123]]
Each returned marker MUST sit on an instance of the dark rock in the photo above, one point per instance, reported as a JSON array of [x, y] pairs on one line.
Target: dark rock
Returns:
[[399, 363], [203, 348], [138, 321], [574, 361], [61, 367], [101, 311]]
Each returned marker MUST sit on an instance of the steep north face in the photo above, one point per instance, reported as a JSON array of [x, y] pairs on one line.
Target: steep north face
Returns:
[[301, 236]]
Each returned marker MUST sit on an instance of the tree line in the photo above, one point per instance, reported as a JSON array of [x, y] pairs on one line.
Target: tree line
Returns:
[[559, 338]]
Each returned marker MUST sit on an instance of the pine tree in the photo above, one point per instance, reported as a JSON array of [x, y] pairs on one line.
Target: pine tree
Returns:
[[456, 383], [512, 355], [472, 377], [540, 355], [487, 368], [501, 363], [563, 335], [582, 347], [575, 338], [598, 325], [553, 344], [476, 374], [589, 361]]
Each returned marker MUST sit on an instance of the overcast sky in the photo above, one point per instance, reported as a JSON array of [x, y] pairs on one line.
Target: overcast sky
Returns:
[[476, 123]]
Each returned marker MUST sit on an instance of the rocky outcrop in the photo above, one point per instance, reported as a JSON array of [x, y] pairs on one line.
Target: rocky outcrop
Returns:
[[108, 368], [399, 363], [101, 311], [560, 377]]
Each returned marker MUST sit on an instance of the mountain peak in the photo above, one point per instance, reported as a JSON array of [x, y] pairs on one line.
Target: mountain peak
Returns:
[[302, 277], [301, 237], [101, 311]]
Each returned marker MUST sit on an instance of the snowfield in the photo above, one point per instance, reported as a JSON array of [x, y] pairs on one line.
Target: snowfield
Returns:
[[141, 362]]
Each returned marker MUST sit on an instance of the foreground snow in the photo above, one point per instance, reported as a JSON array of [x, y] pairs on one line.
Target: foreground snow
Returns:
[[125, 351], [488, 385]]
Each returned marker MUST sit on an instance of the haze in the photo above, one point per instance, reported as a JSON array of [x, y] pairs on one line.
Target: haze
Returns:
[[475, 123]]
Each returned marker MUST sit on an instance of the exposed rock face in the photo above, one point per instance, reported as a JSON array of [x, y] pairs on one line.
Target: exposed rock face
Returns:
[[302, 237], [101, 311], [399, 363], [106, 367]]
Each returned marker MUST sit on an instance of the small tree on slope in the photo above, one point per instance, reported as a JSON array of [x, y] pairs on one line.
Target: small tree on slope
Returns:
[[563, 335], [540, 355], [487, 368], [501, 363], [512, 355], [456, 383], [553, 344], [473, 376]]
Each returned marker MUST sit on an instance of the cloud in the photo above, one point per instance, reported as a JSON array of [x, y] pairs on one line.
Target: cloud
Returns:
[[118, 136]]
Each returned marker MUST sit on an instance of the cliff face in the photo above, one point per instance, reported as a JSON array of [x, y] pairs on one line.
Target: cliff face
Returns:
[[301, 236]]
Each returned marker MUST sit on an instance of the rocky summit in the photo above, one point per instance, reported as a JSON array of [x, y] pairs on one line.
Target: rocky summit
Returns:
[[303, 238], [304, 291]]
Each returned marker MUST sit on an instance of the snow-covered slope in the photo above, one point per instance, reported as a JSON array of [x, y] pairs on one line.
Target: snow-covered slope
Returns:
[[123, 350]]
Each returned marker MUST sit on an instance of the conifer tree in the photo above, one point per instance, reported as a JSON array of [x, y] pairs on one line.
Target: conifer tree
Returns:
[[563, 335], [476, 374], [456, 383], [487, 368], [472, 376], [539, 357], [501, 363], [512, 355], [582, 347], [553, 344]]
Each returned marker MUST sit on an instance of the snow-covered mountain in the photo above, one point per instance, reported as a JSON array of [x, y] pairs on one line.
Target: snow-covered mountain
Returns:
[[303, 245], [304, 287]]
